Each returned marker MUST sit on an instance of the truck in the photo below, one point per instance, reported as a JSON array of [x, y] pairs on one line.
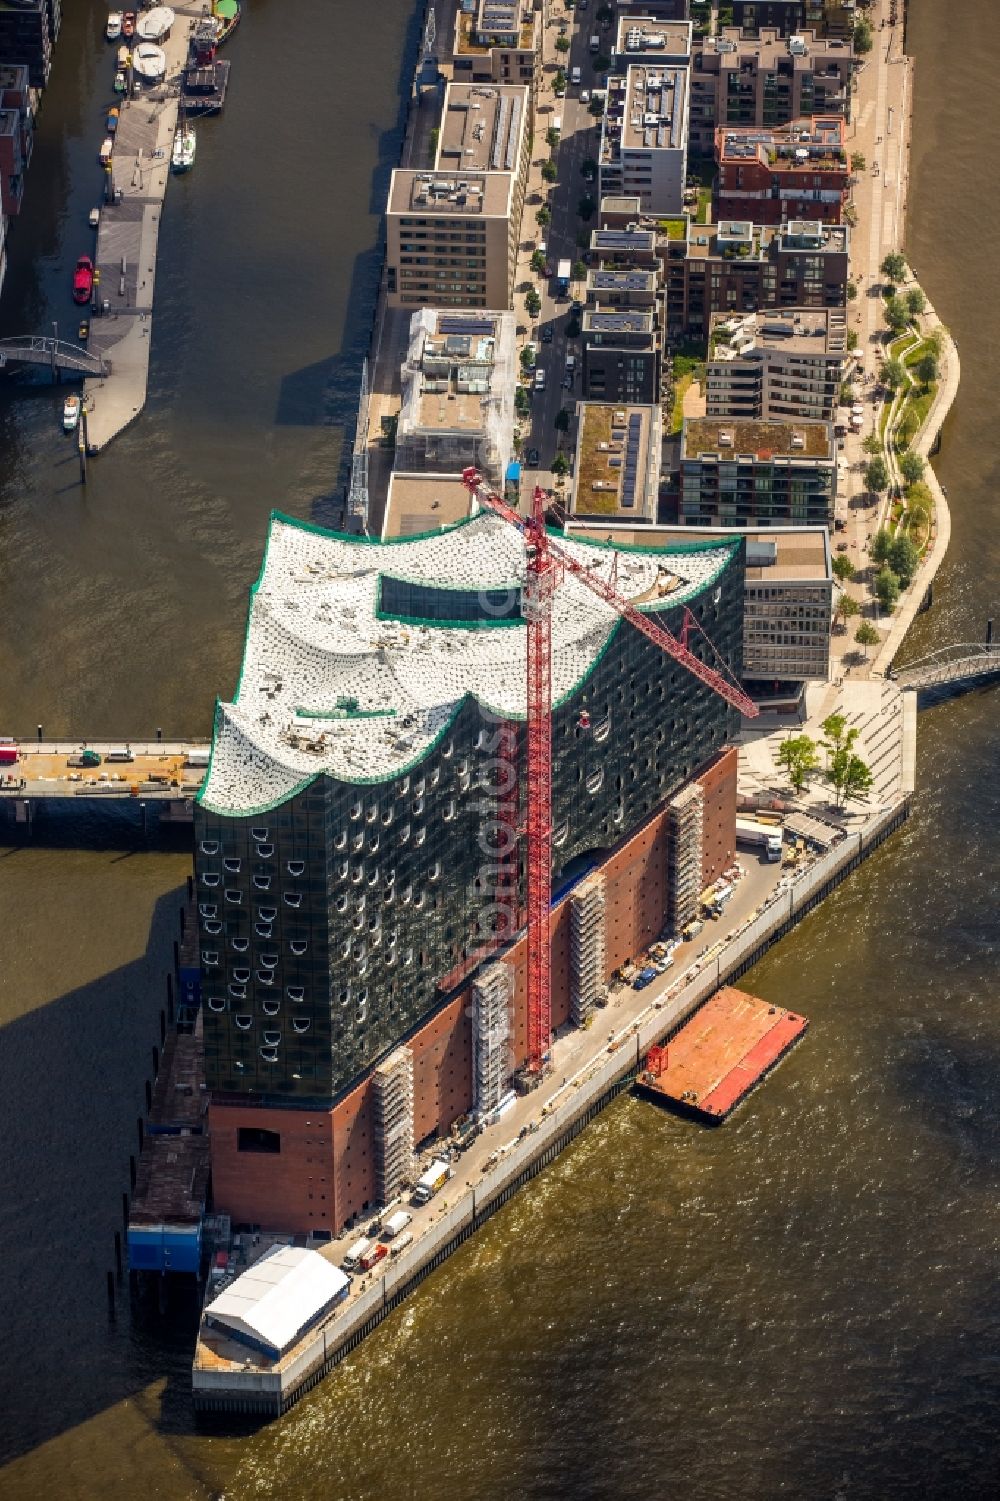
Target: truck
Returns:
[[84, 758], [395, 1224], [564, 272], [760, 836], [197, 756], [430, 1182], [400, 1243], [372, 1257], [354, 1256], [8, 755]]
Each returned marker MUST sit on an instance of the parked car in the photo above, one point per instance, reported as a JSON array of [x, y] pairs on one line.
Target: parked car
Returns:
[[547, 334], [532, 457]]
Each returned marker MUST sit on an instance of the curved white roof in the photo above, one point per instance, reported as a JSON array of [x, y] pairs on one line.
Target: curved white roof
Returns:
[[314, 638], [280, 1295]]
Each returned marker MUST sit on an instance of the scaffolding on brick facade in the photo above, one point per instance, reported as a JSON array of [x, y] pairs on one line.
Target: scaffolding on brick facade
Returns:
[[491, 997], [392, 1123], [587, 947], [685, 855]]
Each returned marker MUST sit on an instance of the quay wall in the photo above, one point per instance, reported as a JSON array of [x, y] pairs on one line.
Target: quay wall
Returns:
[[268, 1394]]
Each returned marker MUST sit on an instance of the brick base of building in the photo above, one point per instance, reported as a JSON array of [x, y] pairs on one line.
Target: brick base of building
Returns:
[[300, 1170]]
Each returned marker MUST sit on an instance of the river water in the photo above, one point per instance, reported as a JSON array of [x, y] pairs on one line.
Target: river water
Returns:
[[804, 1303]]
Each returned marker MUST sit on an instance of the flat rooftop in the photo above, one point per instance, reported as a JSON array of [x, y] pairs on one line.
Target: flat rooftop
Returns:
[[793, 331], [642, 35], [617, 467], [730, 235], [655, 108], [495, 23], [622, 321], [780, 553], [738, 438], [818, 142], [802, 50], [621, 281], [482, 127], [420, 502], [450, 193]]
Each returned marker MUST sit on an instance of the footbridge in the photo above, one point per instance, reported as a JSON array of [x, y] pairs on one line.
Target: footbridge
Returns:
[[953, 669], [54, 354]]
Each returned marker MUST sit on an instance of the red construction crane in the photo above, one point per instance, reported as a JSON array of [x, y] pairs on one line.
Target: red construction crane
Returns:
[[547, 562]]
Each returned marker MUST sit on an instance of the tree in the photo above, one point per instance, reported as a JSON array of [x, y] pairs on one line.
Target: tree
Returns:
[[863, 36], [586, 207], [866, 635], [849, 607], [848, 773], [896, 314], [533, 303], [850, 215], [538, 263], [852, 290], [605, 14], [919, 502], [562, 420], [552, 137], [876, 474], [559, 81], [887, 589], [528, 357], [880, 545], [602, 63], [843, 568], [798, 756], [927, 369], [596, 106], [543, 215], [550, 171], [852, 338], [846, 393], [579, 271], [872, 445], [562, 43], [858, 162], [894, 374], [894, 266], [911, 467], [933, 340], [903, 559], [522, 401], [560, 464], [915, 302], [834, 727]]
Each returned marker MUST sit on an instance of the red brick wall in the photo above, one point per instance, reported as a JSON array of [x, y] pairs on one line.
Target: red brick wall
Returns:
[[324, 1172], [718, 783]]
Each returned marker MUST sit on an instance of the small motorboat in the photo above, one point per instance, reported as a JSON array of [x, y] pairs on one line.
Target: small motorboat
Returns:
[[128, 24], [83, 332], [94, 218], [124, 57], [155, 25], [111, 123], [121, 82], [182, 157], [149, 63], [113, 30], [71, 413], [106, 153], [83, 280], [227, 14]]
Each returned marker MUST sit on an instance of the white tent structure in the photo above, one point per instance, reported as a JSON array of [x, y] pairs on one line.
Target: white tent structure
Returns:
[[271, 1305]]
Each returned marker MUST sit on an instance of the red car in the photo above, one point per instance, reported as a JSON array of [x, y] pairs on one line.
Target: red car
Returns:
[[83, 279]]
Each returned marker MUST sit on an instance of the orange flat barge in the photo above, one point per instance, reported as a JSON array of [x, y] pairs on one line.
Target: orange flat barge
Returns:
[[720, 1054]]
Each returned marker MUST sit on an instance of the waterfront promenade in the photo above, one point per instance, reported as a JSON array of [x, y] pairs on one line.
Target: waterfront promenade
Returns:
[[127, 241]]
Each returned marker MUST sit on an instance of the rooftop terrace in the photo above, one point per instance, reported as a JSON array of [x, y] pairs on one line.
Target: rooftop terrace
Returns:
[[738, 437]]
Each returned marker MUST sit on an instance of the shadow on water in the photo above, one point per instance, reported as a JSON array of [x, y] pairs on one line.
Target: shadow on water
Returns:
[[61, 1111]]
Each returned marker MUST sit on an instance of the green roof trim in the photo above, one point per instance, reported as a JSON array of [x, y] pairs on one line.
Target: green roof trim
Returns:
[[202, 800], [340, 713]]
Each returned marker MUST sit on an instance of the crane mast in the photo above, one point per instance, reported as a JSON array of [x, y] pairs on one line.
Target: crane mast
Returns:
[[546, 563]]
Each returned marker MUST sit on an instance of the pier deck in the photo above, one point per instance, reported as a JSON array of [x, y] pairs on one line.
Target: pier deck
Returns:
[[127, 238], [721, 1054]]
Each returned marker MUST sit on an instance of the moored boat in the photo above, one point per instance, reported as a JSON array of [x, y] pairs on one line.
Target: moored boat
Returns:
[[111, 124], [105, 153], [71, 413], [149, 62], [128, 23], [227, 14], [83, 279], [121, 82], [182, 157], [124, 57], [113, 30], [155, 24]]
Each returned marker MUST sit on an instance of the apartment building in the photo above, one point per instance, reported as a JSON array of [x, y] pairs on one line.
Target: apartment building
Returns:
[[826, 17], [28, 32], [621, 357], [793, 171], [458, 384], [738, 266], [643, 150], [610, 291], [766, 80], [452, 232], [616, 472], [499, 41], [788, 598], [789, 363], [739, 473]]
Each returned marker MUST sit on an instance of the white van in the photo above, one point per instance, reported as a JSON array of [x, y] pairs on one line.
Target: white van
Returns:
[[539, 379], [575, 75], [595, 44], [352, 1260]]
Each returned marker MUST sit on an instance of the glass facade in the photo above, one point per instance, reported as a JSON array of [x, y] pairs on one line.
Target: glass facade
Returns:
[[328, 923]]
